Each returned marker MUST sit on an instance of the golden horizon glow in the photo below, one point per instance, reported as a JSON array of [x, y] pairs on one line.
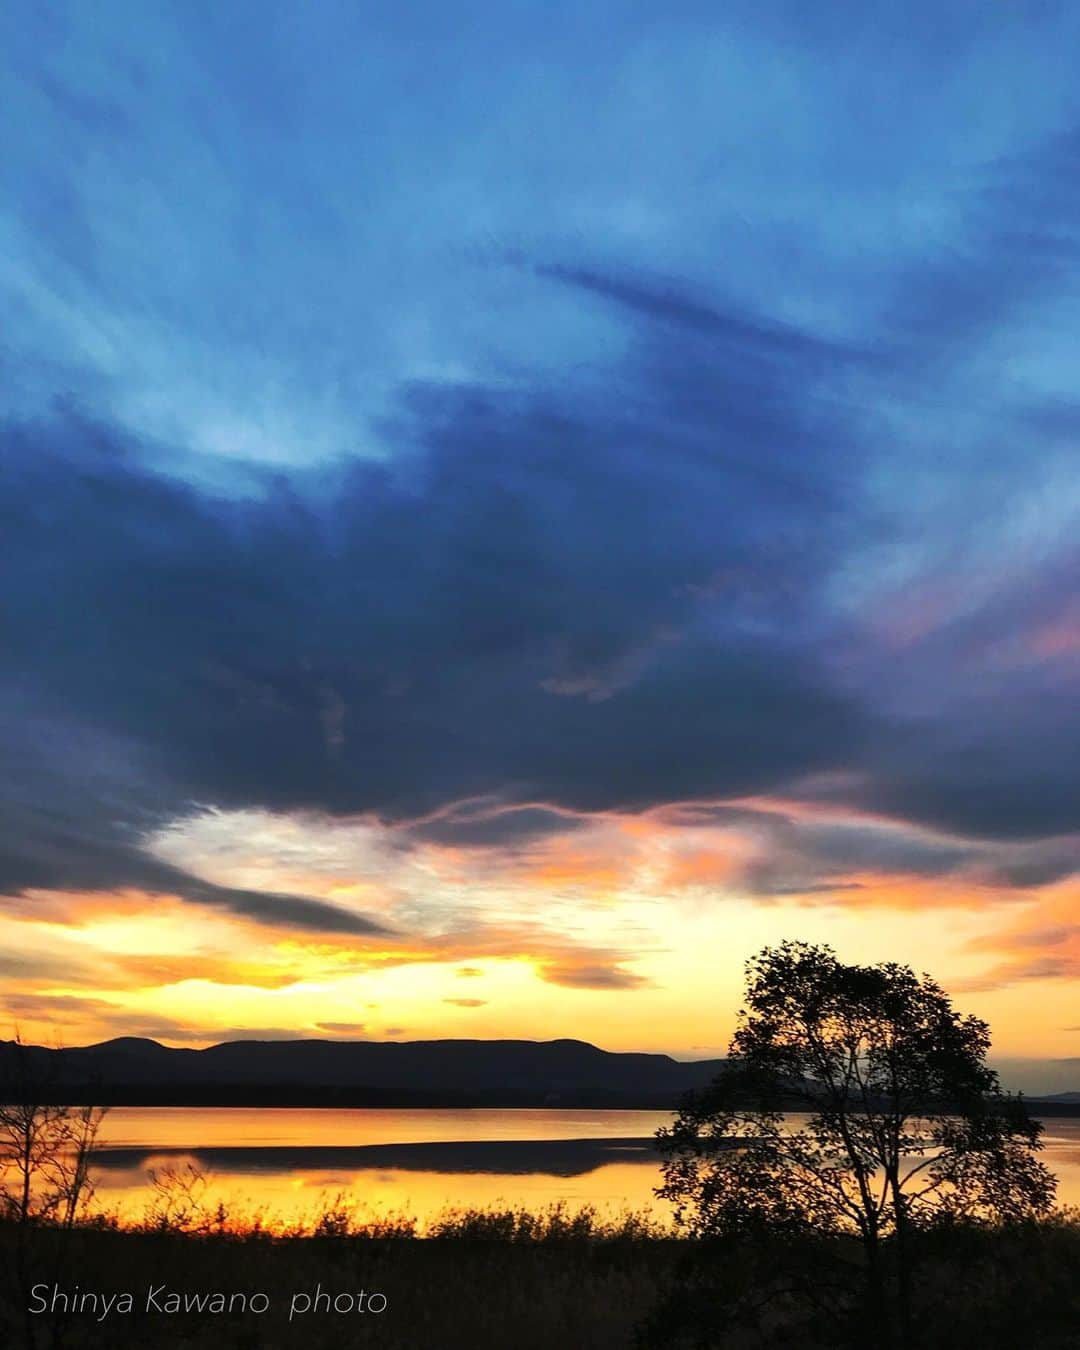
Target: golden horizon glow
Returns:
[[626, 930]]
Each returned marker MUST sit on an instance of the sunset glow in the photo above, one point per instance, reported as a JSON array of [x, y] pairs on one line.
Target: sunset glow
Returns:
[[486, 576]]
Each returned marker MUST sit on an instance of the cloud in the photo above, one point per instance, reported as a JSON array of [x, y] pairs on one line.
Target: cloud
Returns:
[[157, 971], [478, 619], [74, 814], [654, 535], [467, 1002], [525, 593], [195, 642], [18, 1004], [68, 1016], [1042, 943], [1008, 973], [71, 1015], [591, 976], [745, 338], [491, 824], [46, 968]]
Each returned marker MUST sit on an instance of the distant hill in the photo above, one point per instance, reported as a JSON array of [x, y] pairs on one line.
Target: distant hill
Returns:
[[569, 1073]]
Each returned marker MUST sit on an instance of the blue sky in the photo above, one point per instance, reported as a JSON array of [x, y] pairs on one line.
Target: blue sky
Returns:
[[241, 228], [571, 409]]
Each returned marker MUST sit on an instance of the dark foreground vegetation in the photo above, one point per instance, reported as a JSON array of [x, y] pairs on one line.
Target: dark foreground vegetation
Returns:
[[514, 1280]]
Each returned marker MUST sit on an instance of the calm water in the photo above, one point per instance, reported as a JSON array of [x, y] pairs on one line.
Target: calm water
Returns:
[[290, 1164]]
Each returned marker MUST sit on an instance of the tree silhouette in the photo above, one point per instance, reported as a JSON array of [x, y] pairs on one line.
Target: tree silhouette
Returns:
[[46, 1150], [905, 1130]]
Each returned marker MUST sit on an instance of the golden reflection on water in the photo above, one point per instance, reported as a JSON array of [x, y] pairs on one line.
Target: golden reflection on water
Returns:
[[286, 1199], [205, 1127], [240, 1151]]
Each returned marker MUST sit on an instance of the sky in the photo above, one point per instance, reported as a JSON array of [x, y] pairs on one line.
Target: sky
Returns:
[[510, 508]]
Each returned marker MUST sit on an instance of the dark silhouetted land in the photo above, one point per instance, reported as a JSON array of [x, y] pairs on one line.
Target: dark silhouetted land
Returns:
[[561, 1073], [131, 1071]]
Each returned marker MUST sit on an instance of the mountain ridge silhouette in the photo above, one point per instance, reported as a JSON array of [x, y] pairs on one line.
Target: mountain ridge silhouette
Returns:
[[457, 1072]]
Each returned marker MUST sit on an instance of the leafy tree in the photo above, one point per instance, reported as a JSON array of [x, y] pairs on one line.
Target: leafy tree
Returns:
[[855, 1106]]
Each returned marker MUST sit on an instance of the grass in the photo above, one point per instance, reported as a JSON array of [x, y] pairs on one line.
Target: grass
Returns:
[[507, 1279], [478, 1278]]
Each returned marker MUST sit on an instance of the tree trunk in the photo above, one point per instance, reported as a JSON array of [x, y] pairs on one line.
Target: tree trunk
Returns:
[[881, 1319]]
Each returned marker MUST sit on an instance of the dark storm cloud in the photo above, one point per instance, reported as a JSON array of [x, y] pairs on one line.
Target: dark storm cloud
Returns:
[[1039, 865], [990, 781], [74, 804], [998, 687], [621, 579], [494, 827], [806, 854], [591, 602], [540, 599]]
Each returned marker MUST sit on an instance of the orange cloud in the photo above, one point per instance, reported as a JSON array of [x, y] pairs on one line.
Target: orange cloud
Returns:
[[619, 894], [157, 971], [1043, 945], [877, 890]]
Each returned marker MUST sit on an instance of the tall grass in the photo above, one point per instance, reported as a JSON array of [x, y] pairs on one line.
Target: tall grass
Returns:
[[469, 1279]]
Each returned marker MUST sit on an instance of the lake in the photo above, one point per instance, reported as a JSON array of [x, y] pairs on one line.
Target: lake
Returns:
[[290, 1164]]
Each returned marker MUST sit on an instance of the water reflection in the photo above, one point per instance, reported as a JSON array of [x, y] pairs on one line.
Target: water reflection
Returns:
[[288, 1165], [555, 1157]]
